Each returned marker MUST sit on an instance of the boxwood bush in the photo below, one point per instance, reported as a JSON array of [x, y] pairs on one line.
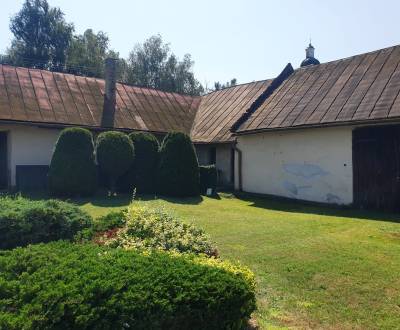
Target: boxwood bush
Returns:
[[62, 285], [208, 178], [72, 168], [25, 222], [154, 228], [115, 155], [179, 169]]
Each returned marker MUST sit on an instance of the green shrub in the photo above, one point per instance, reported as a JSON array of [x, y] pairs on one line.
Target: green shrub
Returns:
[[208, 178], [143, 173], [61, 285], [154, 228], [72, 168], [25, 222], [114, 219], [115, 155], [179, 169]]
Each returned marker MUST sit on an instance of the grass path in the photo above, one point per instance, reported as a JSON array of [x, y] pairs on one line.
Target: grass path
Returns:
[[316, 267]]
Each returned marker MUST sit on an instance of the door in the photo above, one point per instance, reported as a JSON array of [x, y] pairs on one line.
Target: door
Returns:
[[3, 161], [376, 166]]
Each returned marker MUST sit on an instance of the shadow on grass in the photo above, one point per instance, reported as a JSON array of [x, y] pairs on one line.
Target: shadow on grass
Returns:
[[286, 205]]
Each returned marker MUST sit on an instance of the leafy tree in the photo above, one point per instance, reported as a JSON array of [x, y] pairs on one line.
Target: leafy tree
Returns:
[[41, 36], [218, 86], [179, 168], [72, 168], [152, 64], [115, 155], [87, 53]]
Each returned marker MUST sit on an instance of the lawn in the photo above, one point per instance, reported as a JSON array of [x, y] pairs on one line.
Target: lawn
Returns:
[[316, 267]]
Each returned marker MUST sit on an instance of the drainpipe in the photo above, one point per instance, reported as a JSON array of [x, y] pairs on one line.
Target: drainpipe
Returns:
[[239, 155]]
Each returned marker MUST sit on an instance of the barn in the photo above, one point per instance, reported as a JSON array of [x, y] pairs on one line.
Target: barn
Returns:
[[325, 132]]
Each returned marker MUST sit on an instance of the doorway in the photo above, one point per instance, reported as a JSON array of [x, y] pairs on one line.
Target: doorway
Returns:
[[376, 167]]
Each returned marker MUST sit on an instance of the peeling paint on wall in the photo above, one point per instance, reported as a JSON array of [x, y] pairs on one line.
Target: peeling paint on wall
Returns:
[[304, 170], [293, 188]]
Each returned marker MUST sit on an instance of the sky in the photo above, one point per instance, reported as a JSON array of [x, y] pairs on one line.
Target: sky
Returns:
[[244, 39]]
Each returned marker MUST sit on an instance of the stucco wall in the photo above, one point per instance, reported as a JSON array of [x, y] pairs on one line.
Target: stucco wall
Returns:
[[310, 164], [29, 145]]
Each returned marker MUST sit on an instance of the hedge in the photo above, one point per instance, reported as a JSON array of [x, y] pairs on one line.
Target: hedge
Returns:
[[25, 222], [208, 178], [179, 169], [115, 155], [72, 168], [143, 173], [61, 285]]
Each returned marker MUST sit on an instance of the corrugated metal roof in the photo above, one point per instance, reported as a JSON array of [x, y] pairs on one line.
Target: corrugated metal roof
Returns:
[[219, 110], [361, 88], [31, 95]]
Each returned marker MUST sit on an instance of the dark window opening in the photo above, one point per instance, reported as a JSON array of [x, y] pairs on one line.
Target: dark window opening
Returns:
[[3, 161], [213, 155]]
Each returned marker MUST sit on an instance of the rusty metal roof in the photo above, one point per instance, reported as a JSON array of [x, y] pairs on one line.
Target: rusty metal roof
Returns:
[[219, 110], [359, 89], [39, 96]]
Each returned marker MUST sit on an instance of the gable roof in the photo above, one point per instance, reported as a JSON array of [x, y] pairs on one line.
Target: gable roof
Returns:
[[219, 110], [40, 96], [359, 89]]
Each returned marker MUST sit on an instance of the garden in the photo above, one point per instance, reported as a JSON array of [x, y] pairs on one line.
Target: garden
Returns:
[[123, 239]]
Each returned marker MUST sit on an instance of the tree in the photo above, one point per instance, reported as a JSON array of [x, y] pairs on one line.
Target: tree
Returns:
[[179, 168], [218, 86], [41, 36], [115, 155], [87, 53], [72, 168], [152, 64]]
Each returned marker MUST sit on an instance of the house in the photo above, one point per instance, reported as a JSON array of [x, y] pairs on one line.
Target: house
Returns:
[[323, 132]]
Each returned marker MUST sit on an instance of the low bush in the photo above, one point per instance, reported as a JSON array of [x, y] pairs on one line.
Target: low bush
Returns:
[[179, 169], [115, 155], [154, 228], [23, 221], [72, 168], [208, 178], [61, 285], [114, 219]]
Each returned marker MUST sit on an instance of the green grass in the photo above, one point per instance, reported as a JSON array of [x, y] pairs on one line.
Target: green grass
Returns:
[[316, 267]]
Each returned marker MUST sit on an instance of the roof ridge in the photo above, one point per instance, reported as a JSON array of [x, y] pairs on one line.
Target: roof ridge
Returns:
[[241, 84], [286, 72]]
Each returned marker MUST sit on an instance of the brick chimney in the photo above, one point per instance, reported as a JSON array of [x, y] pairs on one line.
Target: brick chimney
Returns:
[[110, 75]]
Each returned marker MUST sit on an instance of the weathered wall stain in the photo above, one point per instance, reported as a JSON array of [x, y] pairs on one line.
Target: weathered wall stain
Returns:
[[293, 188], [304, 170]]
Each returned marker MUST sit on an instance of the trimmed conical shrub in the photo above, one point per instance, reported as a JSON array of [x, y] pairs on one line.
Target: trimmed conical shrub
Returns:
[[115, 155], [143, 172], [72, 168], [179, 169]]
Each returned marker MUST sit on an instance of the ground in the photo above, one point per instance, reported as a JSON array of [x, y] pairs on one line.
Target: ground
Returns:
[[316, 267]]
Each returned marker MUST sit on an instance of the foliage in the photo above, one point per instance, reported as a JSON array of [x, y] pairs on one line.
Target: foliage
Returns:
[[87, 53], [61, 285], [115, 155], [41, 36], [114, 219], [218, 86], [208, 178], [154, 228], [23, 221], [179, 169], [142, 174], [152, 64], [72, 168]]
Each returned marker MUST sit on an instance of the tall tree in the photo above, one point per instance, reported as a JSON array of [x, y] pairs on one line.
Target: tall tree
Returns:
[[41, 36], [152, 64], [87, 52], [218, 86]]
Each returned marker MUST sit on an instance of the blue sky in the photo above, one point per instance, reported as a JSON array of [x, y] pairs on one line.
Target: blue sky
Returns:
[[249, 40]]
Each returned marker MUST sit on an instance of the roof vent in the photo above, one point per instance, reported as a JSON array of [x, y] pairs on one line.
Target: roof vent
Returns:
[[310, 59]]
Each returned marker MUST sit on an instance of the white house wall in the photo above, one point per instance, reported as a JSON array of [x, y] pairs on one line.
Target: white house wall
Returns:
[[310, 164], [28, 145]]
